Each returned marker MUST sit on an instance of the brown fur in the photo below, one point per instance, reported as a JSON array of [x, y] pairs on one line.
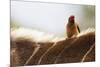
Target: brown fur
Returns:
[[64, 51]]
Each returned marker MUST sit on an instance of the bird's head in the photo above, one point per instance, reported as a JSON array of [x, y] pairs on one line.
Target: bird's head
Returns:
[[71, 19]]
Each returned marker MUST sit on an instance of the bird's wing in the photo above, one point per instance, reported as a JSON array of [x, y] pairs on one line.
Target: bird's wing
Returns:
[[78, 28]]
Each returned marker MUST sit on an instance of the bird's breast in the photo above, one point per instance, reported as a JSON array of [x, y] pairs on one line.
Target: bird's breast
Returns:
[[72, 30]]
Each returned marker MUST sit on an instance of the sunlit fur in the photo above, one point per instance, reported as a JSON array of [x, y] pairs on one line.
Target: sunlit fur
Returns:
[[33, 35], [38, 36]]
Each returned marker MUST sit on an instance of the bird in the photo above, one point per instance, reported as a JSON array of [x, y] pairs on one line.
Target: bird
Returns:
[[72, 28]]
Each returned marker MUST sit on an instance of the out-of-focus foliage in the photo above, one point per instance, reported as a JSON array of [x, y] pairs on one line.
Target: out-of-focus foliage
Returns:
[[88, 20], [89, 11], [14, 25]]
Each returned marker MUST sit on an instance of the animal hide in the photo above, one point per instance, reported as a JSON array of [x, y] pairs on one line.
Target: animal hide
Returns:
[[28, 48]]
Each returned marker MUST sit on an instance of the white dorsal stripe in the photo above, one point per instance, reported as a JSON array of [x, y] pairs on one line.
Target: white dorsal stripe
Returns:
[[46, 53], [87, 53], [34, 52]]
